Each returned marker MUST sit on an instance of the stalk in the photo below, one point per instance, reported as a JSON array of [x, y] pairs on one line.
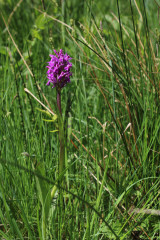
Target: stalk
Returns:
[[58, 75], [61, 135], [61, 163]]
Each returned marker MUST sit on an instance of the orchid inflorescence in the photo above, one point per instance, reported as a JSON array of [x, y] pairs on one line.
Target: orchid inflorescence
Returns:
[[59, 69]]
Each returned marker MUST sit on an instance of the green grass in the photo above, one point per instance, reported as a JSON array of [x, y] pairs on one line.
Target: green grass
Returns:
[[112, 105]]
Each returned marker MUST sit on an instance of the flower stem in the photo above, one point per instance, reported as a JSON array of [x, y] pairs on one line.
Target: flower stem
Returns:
[[59, 101], [61, 135], [61, 141]]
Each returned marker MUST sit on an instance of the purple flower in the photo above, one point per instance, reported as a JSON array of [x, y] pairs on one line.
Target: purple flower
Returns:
[[59, 69]]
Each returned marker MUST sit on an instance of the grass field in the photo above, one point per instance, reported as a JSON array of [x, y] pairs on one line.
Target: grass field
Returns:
[[110, 187]]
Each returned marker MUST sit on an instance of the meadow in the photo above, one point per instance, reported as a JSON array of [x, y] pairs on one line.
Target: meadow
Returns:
[[109, 187]]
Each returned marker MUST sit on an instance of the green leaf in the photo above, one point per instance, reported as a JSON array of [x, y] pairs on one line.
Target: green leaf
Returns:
[[53, 118], [43, 187], [3, 50], [115, 227], [5, 236], [47, 120], [44, 194], [8, 213], [54, 131], [69, 126], [40, 21], [35, 34]]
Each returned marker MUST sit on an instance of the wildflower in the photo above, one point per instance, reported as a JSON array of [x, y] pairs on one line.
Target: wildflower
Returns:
[[59, 69]]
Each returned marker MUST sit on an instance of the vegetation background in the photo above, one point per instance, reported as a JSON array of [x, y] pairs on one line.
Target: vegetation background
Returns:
[[112, 120]]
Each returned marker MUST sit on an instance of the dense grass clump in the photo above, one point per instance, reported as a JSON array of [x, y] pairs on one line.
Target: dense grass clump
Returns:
[[111, 111]]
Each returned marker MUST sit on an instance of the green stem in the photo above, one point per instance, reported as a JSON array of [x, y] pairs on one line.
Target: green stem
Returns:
[[61, 141], [59, 101], [61, 135], [61, 156]]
